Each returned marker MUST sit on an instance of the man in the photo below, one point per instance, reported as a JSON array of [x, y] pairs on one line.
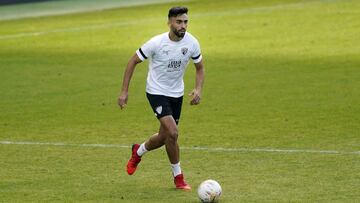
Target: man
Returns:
[[169, 54]]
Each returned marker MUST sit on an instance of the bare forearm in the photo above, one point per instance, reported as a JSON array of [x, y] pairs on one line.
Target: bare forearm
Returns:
[[122, 100], [130, 67], [200, 75], [199, 81], [127, 75]]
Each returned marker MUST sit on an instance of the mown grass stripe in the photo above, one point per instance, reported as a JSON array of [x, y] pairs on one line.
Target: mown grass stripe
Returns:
[[213, 149]]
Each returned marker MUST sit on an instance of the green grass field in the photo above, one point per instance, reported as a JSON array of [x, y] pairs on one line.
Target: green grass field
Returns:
[[279, 119]]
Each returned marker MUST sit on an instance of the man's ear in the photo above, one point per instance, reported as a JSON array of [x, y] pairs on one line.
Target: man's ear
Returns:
[[169, 21]]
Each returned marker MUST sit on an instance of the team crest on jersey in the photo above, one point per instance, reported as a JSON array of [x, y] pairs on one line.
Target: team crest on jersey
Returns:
[[184, 50]]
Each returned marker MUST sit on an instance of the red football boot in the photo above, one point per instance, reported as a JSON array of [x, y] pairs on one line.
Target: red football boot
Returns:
[[180, 183], [134, 160]]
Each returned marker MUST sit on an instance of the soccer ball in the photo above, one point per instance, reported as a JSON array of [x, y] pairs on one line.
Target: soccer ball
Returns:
[[209, 191]]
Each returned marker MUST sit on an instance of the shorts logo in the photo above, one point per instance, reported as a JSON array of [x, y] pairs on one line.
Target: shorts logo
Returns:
[[158, 109], [184, 50]]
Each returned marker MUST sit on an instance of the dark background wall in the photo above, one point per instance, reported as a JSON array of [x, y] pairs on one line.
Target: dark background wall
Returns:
[[5, 2]]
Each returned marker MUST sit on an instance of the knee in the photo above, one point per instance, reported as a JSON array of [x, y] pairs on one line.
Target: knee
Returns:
[[172, 136]]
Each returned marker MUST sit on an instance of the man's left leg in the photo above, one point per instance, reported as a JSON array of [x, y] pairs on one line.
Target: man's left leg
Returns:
[[172, 149]]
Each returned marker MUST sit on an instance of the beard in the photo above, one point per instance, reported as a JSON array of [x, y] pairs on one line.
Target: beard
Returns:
[[179, 33]]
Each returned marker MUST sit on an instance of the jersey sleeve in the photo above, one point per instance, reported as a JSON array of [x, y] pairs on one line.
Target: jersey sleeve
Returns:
[[146, 49], [196, 56]]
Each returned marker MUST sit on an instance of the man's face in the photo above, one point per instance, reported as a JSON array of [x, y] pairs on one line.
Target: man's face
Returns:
[[178, 25]]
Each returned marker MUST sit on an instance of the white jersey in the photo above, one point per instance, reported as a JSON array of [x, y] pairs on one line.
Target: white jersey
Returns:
[[168, 61]]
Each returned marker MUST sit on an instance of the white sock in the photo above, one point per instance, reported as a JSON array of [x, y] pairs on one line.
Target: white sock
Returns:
[[176, 169], [142, 150]]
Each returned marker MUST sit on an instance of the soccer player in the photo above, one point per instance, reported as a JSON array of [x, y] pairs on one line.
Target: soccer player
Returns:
[[169, 53]]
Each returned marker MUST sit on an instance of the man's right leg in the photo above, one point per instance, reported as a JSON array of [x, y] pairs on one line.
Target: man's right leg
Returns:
[[157, 140], [167, 136]]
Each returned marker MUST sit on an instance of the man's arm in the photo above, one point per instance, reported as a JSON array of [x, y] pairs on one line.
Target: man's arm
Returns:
[[122, 100], [199, 81]]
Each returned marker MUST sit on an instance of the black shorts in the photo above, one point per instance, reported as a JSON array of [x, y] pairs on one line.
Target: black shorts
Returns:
[[164, 105]]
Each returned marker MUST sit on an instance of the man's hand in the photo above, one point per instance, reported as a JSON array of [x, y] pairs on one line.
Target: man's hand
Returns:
[[196, 96], [122, 100]]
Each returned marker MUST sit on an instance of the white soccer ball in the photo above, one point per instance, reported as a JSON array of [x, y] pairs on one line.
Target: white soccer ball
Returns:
[[209, 191]]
